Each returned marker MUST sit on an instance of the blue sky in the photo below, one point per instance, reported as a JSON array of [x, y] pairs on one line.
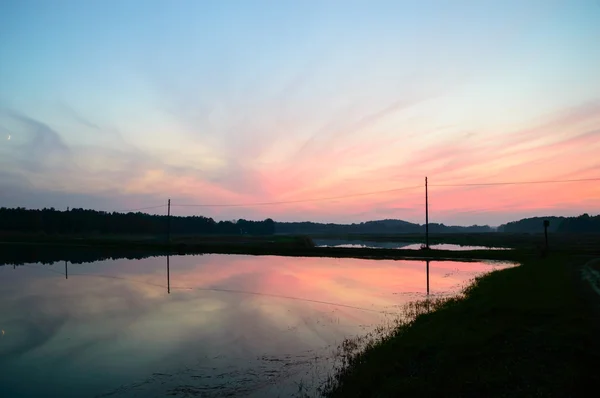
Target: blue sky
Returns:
[[122, 104]]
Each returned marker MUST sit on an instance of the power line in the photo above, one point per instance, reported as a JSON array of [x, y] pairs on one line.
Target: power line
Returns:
[[515, 182], [365, 194], [298, 201]]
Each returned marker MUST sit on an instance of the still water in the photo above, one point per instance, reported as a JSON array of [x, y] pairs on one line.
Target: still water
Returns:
[[397, 245], [212, 325]]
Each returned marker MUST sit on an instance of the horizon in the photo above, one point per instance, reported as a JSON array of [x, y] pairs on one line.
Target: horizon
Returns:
[[222, 105], [493, 226]]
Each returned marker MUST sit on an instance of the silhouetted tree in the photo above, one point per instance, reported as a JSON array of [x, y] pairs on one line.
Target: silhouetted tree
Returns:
[[582, 224], [80, 221]]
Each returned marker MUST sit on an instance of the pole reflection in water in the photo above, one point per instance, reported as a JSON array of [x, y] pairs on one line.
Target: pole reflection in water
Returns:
[[428, 277], [168, 277]]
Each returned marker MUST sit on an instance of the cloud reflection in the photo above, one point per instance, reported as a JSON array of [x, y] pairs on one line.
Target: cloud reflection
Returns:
[[230, 307]]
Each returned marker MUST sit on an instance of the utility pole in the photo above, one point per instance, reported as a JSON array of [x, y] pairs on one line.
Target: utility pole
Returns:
[[66, 271], [169, 221], [426, 216]]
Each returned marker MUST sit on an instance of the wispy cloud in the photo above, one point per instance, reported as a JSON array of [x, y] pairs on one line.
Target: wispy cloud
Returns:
[[77, 116], [43, 162]]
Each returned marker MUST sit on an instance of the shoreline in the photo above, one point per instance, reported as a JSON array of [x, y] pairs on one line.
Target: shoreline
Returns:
[[522, 331], [66, 250]]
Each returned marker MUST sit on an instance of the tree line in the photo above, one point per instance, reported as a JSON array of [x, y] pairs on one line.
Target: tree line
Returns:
[[83, 221], [581, 224], [374, 227]]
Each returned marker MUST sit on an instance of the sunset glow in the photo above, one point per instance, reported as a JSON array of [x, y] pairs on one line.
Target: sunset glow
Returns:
[[122, 105]]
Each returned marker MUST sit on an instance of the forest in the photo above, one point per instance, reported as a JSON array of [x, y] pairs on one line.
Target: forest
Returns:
[[81, 221], [581, 224], [373, 227]]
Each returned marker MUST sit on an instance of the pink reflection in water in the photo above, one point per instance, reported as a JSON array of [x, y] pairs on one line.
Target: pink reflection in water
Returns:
[[223, 312]]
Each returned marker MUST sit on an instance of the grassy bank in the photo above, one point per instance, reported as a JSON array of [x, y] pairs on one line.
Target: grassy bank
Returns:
[[521, 332]]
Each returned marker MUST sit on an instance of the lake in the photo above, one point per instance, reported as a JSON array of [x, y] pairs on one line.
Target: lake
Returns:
[[397, 245], [210, 325]]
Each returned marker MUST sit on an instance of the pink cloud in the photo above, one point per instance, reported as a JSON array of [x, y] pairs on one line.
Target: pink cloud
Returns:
[[345, 163]]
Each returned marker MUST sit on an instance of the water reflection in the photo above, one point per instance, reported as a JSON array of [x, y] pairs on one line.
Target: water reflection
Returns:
[[168, 276], [217, 324], [427, 273], [363, 244]]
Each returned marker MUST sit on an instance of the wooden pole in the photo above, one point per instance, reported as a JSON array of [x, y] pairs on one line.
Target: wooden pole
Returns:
[[426, 216], [66, 271]]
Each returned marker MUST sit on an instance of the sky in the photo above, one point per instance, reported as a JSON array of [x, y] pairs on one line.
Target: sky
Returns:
[[119, 105]]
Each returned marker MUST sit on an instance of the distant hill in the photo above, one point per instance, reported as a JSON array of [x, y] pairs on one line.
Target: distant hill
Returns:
[[77, 221], [387, 226], [581, 224], [531, 225]]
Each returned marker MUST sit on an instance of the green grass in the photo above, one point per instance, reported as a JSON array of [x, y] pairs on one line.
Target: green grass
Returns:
[[520, 332]]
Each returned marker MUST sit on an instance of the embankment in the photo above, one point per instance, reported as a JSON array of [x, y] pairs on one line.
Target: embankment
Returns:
[[519, 332]]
